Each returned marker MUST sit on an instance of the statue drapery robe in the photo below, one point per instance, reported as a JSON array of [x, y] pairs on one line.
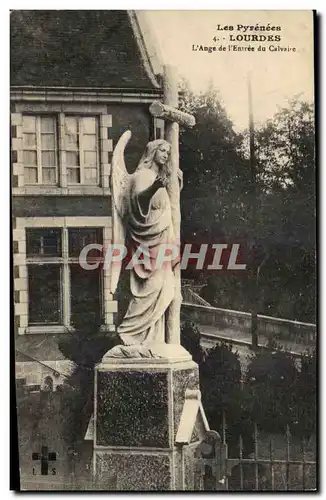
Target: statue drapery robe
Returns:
[[152, 286]]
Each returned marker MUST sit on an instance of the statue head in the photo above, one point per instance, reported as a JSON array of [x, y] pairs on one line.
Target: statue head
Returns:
[[157, 151], [162, 154]]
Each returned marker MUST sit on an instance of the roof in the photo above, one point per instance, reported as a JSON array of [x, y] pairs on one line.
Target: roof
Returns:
[[40, 347], [192, 412], [80, 48]]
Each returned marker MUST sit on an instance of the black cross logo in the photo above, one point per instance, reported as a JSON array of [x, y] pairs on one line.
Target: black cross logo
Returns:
[[45, 456]]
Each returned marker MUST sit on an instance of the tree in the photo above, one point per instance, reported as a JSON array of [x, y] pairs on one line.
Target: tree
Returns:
[[215, 202], [217, 199], [190, 340], [215, 177], [285, 149]]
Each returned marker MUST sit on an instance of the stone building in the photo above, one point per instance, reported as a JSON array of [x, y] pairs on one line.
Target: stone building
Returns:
[[79, 79]]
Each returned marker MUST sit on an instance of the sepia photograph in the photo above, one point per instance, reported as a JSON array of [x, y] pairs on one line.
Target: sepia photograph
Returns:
[[163, 238]]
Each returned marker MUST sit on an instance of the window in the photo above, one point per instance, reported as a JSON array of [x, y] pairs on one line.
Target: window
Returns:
[[85, 292], [79, 238], [40, 149], [43, 242], [80, 140], [44, 294], [48, 384], [59, 290], [82, 155]]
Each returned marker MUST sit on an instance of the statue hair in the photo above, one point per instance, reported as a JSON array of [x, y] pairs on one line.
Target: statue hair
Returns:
[[147, 159]]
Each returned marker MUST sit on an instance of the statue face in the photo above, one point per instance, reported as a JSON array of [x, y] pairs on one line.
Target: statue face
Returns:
[[162, 155]]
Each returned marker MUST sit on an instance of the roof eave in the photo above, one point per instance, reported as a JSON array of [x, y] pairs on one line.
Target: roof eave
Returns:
[[148, 47]]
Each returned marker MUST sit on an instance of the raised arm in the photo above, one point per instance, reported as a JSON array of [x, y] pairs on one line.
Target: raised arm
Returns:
[[145, 196]]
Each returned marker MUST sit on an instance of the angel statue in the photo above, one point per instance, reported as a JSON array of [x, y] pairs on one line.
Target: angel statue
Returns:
[[142, 218]]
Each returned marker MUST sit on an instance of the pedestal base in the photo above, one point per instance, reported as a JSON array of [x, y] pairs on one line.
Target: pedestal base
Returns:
[[171, 353], [141, 407]]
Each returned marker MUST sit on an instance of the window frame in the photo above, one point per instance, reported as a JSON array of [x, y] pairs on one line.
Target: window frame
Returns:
[[60, 143], [80, 151], [38, 232], [64, 262], [60, 296], [38, 149]]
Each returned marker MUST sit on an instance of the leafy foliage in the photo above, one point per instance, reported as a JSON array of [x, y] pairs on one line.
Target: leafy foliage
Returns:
[[220, 383], [306, 396], [87, 344], [77, 405], [215, 177], [217, 200], [286, 155], [85, 347], [270, 389], [277, 390], [190, 340], [280, 391]]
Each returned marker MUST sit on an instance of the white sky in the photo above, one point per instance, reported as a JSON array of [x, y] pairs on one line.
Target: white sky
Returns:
[[276, 76]]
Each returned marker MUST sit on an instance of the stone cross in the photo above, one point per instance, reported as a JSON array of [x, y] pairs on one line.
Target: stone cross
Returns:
[[168, 111], [45, 456]]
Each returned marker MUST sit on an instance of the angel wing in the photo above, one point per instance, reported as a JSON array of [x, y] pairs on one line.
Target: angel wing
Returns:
[[120, 189]]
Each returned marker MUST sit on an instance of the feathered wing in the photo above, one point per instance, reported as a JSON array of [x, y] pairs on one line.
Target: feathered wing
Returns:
[[120, 190]]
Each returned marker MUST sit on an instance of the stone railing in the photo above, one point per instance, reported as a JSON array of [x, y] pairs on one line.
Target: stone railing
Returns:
[[275, 328]]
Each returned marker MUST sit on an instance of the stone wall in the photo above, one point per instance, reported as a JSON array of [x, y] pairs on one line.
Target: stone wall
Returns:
[[277, 328]]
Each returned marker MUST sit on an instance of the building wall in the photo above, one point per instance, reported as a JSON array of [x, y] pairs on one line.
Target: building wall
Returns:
[[21, 268], [65, 206], [61, 206], [92, 55]]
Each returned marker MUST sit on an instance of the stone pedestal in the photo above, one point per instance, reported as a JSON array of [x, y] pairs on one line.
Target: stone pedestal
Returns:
[[148, 421]]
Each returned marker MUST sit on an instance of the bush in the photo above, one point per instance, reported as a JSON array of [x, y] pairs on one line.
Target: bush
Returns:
[[220, 381], [305, 396], [77, 404], [85, 347], [275, 393], [190, 340], [87, 344], [271, 389]]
